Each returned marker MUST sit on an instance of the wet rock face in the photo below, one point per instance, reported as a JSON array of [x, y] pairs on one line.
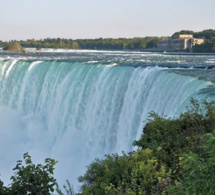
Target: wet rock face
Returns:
[[211, 67]]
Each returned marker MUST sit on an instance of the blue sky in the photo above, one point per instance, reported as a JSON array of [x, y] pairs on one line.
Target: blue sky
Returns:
[[26, 19]]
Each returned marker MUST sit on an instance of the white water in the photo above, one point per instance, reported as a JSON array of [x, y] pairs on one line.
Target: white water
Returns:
[[75, 112]]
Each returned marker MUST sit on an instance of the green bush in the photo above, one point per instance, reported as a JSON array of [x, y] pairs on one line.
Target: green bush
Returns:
[[158, 167], [101, 173], [15, 46], [176, 136], [127, 174], [199, 177], [140, 175]]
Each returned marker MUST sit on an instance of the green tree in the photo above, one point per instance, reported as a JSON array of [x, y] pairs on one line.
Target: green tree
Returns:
[[152, 43], [199, 171], [207, 34], [75, 45], [31, 178], [138, 173], [157, 167], [188, 32], [176, 136], [15, 46]]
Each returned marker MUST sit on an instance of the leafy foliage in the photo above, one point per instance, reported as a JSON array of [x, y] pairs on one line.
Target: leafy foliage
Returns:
[[108, 43], [176, 136], [199, 172], [31, 178], [102, 172], [206, 34], [15, 46], [141, 175], [126, 174], [183, 32], [158, 166], [115, 44], [68, 188], [207, 47]]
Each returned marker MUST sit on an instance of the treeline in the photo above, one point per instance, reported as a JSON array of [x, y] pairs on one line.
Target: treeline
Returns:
[[207, 47], [205, 34], [113, 44], [208, 35], [118, 44]]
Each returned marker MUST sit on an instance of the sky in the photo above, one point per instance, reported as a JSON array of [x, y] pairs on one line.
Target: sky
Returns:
[[81, 19]]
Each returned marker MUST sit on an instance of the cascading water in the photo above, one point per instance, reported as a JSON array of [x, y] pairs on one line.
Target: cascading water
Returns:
[[74, 111]]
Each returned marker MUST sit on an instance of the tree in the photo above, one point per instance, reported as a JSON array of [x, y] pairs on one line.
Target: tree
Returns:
[[75, 45], [188, 32], [31, 178], [175, 156], [199, 171], [152, 44], [15, 46]]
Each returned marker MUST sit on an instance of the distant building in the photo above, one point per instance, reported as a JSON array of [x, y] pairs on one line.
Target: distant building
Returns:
[[179, 43]]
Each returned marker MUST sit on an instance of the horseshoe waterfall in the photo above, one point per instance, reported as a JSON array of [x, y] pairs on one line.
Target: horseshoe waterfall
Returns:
[[79, 105]]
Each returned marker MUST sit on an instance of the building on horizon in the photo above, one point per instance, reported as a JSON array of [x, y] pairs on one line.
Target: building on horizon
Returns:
[[179, 42]]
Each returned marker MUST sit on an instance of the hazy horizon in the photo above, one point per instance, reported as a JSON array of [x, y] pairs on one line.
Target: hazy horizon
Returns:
[[72, 19], [100, 37]]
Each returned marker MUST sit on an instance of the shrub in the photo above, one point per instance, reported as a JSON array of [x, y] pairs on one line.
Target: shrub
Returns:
[[68, 188], [126, 174], [14, 47], [176, 136], [199, 177], [157, 167], [140, 175]]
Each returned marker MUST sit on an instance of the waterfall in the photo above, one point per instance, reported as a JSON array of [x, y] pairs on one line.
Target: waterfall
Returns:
[[75, 112]]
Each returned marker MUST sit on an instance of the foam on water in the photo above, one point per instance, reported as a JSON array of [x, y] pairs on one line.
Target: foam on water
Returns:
[[10, 68], [34, 64]]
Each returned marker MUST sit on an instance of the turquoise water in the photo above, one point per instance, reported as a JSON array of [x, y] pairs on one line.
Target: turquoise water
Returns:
[[79, 105]]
